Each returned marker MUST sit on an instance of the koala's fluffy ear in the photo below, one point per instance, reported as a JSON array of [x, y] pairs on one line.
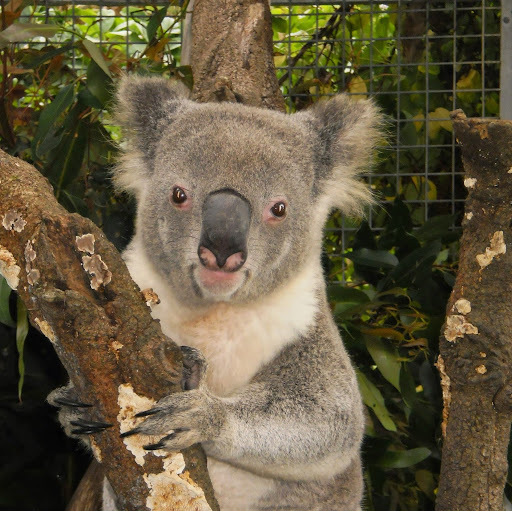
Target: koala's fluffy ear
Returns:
[[345, 133], [144, 105]]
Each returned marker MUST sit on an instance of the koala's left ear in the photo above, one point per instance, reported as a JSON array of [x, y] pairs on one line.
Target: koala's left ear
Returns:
[[345, 133]]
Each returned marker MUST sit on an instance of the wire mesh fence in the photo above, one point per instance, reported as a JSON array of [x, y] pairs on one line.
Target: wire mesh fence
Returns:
[[418, 59]]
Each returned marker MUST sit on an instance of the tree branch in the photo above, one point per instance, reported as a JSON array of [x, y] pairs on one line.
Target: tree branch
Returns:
[[114, 352]]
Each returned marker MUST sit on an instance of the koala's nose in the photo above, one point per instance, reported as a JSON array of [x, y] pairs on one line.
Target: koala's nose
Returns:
[[218, 261], [225, 227]]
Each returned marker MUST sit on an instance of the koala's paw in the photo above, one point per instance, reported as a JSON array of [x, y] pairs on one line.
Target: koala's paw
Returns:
[[181, 420], [72, 414], [194, 368]]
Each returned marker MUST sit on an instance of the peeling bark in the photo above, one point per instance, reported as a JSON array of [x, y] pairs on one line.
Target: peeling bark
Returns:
[[99, 324], [232, 53], [476, 348]]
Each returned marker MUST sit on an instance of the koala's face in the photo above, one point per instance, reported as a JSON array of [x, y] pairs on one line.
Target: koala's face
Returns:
[[227, 214], [232, 199]]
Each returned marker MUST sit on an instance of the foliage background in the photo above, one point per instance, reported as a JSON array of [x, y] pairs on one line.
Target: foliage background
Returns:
[[397, 266]]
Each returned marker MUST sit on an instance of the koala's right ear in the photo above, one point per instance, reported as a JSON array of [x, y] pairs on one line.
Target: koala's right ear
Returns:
[[143, 106], [143, 103]]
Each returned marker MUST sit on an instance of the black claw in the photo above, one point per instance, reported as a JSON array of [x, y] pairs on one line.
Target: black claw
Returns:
[[62, 401], [130, 432], [161, 444], [151, 411], [89, 427], [153, 447], [84, 431]]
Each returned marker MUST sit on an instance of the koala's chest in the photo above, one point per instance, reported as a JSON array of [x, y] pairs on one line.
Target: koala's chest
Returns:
[[235, 343]]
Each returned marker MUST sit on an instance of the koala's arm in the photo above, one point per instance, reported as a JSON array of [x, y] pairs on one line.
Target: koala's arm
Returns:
[[300, 417]]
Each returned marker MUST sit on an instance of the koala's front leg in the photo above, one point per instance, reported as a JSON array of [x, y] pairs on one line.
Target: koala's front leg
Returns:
[[73, 414], [285, 423], [184, 418]]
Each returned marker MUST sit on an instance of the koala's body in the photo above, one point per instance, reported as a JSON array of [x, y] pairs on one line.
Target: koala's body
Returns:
[[231, 203]]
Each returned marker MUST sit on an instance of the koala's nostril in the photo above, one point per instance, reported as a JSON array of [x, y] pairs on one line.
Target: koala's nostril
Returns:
[[234, 261], [207, 258], [219, 261]]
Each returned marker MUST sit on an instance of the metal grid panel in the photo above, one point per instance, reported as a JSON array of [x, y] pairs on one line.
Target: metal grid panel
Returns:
[[112, 22], [419, 59], [449, 48]]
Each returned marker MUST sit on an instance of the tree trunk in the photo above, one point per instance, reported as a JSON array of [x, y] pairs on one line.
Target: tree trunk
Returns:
[[476, 346], [232, 53]]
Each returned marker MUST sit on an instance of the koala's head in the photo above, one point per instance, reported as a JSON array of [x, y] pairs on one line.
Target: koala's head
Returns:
[[231, 200]]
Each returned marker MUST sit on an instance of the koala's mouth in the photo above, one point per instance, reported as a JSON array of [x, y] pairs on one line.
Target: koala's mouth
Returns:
[[217, 284]]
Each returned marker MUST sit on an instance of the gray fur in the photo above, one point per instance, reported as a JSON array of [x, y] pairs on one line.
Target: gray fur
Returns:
[[280, 417]]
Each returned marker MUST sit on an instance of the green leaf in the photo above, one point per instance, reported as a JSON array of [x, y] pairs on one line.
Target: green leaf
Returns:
[[97, 56], [280, 24], [50, 141], [33, 61], [5, 293], [413, 269], [70, 155], [408, 388], [21, 335], [403, 459], [18, 32], [386, 360], [372, 398], [339, 293], [99, 83], [426, 482], [50, 114], [155, 21], [435, 228], [372, 258]]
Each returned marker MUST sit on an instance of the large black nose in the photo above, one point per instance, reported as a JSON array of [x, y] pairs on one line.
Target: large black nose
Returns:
[[226, 221]]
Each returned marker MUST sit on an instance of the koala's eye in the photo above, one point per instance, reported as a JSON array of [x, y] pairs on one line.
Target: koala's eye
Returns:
[[278, 209], [178, 195], [275, 211]]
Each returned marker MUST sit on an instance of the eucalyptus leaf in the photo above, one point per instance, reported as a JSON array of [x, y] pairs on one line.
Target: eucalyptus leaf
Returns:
[[155, 21], [19, 32], [50, 141], [412, 269], [372, 258], [426, 482], [339, 293], [386, 360], [70, 156], [50, 114], [5, 293], [97, 56], [373, 398], [403, 459], [33, 61], [99, 83], [21, 335], [280, 24]]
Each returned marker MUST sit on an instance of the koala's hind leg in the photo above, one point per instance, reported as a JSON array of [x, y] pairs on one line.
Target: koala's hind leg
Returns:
[[342, 493]]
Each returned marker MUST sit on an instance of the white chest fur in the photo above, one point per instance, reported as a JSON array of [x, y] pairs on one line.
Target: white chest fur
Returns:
[[235, 339]]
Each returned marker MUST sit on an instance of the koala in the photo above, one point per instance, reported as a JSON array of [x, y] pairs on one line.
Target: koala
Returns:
[[231, 204]]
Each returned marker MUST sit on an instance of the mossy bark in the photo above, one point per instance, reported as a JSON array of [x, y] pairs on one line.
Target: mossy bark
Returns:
[[476, 346]]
